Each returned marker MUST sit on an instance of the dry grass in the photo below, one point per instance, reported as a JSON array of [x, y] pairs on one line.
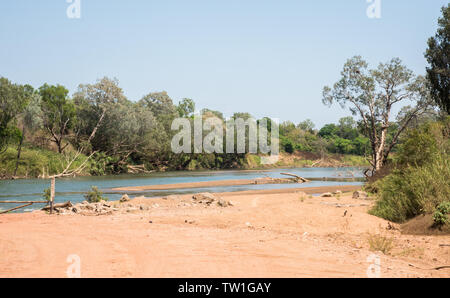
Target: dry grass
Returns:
[[380, 243]]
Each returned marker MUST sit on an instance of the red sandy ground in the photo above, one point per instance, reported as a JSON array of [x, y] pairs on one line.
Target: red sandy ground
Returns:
[[265, 234]]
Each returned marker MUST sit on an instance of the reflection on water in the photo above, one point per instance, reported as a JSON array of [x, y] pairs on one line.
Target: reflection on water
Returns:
[[72, 189]]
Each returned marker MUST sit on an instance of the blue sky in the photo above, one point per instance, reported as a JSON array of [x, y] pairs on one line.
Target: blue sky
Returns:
[[269, 58]]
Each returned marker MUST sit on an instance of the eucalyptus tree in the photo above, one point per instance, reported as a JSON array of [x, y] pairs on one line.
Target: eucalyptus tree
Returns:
[[372, 93], [164, 112], [59, 114], [307, 125], [94, 102], [438, 56], [13, 100], [186, 107], [161, 106], [31, 119]]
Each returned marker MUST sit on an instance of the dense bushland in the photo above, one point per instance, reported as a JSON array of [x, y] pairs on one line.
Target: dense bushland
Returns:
[[419, 182], [43, 129]]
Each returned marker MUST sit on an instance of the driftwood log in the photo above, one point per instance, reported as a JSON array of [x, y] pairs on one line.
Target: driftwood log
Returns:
[[62, 205], [23, 202], [23, 206], [295, 176], [135, 169]]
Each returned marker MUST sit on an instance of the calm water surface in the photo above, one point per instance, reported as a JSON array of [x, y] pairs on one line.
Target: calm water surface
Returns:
[[73, 189]]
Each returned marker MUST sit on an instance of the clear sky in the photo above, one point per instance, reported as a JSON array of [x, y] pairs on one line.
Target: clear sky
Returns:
[[269, 58]]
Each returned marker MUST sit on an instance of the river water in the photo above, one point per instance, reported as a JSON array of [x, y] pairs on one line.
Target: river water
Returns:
[[73, 189]]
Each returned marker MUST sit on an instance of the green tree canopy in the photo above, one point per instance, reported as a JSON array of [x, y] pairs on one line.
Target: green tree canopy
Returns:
[[438, 56], [59, 114], [13, 100], [371, 94]]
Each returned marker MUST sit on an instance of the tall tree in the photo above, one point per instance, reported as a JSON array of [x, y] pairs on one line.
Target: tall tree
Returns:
[[372, 94], [93, 103], [438, 56], [307, 125], [31, 119], [13, 100], [59, 113]]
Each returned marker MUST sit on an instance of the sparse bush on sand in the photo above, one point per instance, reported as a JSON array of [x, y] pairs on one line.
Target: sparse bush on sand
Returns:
[[380, 243], [420, 181], [95, 196], [440, 215]]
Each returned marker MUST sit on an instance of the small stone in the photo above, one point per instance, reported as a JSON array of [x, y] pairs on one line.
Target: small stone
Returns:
[[362, 195], [327, 195], [222, 203], [206, 196], [125, 198]]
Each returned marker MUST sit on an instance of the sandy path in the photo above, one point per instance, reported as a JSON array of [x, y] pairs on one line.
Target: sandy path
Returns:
[[262, 235]]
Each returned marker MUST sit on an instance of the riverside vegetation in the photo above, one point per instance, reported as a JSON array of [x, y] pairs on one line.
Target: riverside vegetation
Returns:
[[415, 182], [99, 131], [43, 129]]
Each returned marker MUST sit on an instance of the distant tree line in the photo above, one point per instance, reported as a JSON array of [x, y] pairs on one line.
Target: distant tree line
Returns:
[[99, 121]]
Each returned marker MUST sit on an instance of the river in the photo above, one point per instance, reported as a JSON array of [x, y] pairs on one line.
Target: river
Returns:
[[73, 189]]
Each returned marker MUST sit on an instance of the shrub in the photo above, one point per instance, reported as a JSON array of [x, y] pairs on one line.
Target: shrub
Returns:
[[95, 196], [35, 161], [413, 191], [47, 194], [440, 215], [289, 147], [419, 182], [380, 243]]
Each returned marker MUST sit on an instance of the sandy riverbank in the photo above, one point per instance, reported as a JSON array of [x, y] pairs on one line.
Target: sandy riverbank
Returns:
[[270, 233], [207, 184]]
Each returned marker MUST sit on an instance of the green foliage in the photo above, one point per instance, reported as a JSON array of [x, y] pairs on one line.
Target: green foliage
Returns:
[[95, 196], [186, 107], [440, 215], [288, 147], [58, 113], [35, 162], [47, 194], [102, 164], [371, 95], [420, 182], [13, 100], [438, 56], [345, 138], [252, 161], [137, 133]]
